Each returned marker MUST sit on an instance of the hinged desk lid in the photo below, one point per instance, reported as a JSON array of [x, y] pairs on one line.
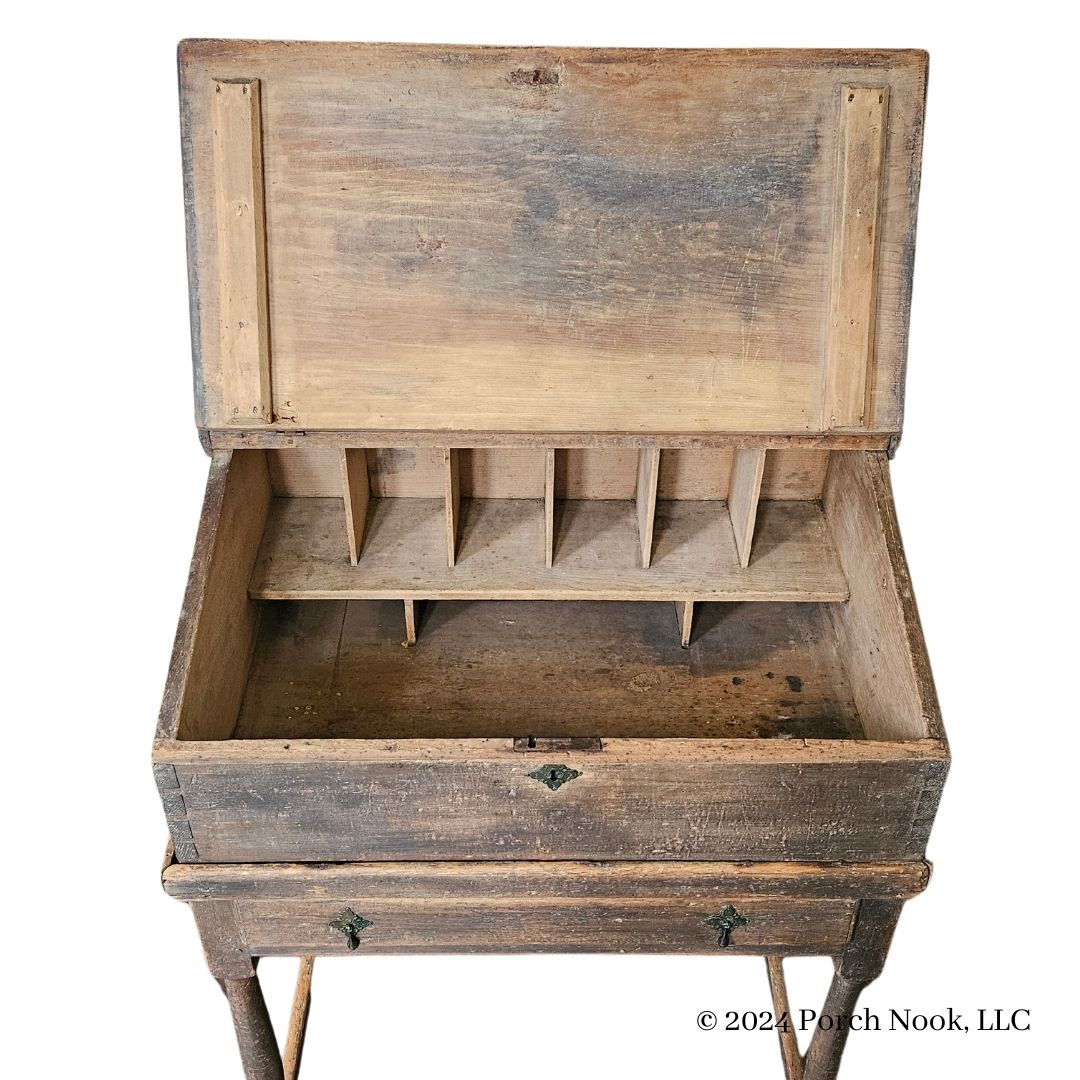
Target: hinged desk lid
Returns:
[[422, 237]]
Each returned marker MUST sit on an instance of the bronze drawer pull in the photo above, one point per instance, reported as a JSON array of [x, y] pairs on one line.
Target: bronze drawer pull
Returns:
[[728, 920], [554, 776], [351, 925]]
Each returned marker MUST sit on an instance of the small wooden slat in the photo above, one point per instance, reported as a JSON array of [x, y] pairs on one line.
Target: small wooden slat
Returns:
[[241, 251], [789, 1045], [357, 493], [533, 880], [647, 473], [849, 353], [747, 467], [294, 1040], [425, 438], [410, 622], [685, 611], [549, 506], [452, 483]]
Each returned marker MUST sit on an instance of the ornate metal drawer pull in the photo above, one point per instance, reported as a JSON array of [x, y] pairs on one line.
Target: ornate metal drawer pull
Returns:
[[351, 925], [554, 776], [728, 919]]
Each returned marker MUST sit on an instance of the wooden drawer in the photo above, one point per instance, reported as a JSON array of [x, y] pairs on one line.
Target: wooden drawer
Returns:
[[800, 724], [565, 907], [774, 924]]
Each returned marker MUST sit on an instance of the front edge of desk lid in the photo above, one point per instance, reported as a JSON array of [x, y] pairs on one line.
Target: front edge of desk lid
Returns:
[[420, 237]]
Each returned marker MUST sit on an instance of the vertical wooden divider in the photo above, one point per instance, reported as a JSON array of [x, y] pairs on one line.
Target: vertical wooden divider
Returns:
[[410, 622], [849, 352], [452, 481], [648, 472], [549, 506], [356, 488], [243, 293], [685, 611], [744, 490]]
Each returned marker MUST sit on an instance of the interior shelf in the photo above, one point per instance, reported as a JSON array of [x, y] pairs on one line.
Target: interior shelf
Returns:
[[501, 543]]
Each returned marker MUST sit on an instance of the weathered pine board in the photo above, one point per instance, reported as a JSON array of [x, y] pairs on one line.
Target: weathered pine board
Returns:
[[747, 469], [879, 630], [775, 924], [630, 240], [520, 473], [356, 494], [500, 553], [241, 228], [579, 669], [852, 292], [520, 880], [336, 810], [216, 633], [291, 437]]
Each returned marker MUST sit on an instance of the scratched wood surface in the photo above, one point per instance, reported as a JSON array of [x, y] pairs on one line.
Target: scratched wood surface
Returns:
[[309, 791], [810, 807], [500, 547], [520, 473], [337, 670], [786, 925], [480, 880], [556, 239]]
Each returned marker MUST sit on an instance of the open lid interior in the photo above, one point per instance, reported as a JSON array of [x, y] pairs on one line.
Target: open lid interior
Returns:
[[404, 237]]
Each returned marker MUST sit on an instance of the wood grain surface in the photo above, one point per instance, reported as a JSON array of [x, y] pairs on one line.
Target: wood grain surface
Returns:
[[521, 880], [674, 807], [510, 472], [633, 240], [614, 670], [500, 552], [775, 924]]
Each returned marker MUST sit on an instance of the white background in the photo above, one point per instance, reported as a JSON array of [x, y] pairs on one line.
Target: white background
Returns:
[[103, 481]]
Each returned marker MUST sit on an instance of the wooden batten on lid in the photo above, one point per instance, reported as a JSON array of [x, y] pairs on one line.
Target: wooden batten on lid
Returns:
[[453, 244]]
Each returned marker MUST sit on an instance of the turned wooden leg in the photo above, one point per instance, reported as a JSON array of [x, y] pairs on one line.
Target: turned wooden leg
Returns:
[[860, 965], [254, 1032], [827, 1045]]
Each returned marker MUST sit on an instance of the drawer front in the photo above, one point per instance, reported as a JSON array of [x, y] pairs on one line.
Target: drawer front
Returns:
[[736, 924], [566, 807]]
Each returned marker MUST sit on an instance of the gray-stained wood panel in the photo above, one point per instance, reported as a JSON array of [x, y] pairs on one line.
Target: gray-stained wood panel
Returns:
[[684, 804], [556, 239]]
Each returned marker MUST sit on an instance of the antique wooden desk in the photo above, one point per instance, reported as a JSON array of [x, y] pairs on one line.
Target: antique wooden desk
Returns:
[[597, 355]]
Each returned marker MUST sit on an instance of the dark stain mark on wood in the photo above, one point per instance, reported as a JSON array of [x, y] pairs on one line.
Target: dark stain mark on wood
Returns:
[[543, 205], [593, 225], [794, 683], [390, 461], [534, 77]]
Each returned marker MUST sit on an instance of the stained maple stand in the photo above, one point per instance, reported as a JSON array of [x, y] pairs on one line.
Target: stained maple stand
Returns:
[[858, 963], [263, 1061]]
